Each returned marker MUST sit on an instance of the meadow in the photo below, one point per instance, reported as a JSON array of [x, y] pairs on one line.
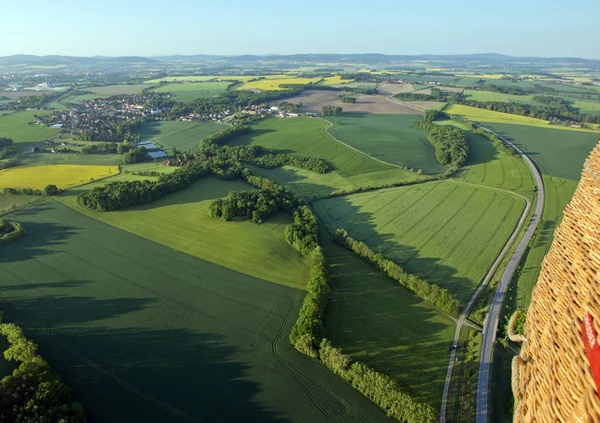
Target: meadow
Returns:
[[142, 332], [449, 233], [189, 91], [185, 225], [21, 128], [391, 138], [63, 176], [308, 137], [9, 202], [117, 89], [487, 166], [378, 322], [273, 82], [182, 135], [487, 116], [587, 107]]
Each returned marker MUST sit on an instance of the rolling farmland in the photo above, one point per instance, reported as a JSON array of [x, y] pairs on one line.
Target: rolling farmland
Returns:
[[142, 332], [118, 89], [487, 116], [185, 225], [446, 232], [391, 138], [487, 166], [63, 176], [378, 322], [189, 91], [307, 136], [273, 82], [556, 153], [182, 135]]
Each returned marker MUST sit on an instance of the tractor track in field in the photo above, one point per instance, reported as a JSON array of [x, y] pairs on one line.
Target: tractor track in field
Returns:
[[100, 369]]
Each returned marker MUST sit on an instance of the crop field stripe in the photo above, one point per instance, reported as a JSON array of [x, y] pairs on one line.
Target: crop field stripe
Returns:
[[357, 204], [410, 206], [419, 221], [435, 233], [393, 201], [489, 240], [462, 238]]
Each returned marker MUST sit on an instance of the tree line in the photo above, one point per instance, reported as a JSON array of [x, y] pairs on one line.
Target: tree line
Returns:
[[331, 110], [450, 142], [257, 155], [7, 147], [379, 388], [48, 191], [123, 194], [307, 334], [439, 297], [555, 113], [33, 392]]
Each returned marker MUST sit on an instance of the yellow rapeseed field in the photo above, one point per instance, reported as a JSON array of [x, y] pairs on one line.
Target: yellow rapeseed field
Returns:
[[336, 79], [272, 82], [483, 115], [63, 176]]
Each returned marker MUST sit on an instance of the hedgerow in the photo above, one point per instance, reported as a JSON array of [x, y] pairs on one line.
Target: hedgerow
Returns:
[[440, 297]]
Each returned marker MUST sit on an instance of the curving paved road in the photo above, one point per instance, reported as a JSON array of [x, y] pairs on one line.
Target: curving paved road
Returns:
[[491, 324]]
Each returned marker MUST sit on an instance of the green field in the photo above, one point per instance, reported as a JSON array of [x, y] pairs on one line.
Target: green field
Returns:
[[185, 136], [376, 321], [448, 232], [391, 138], [493, 96], [181, 221], [19, 126], [556, 152], [587, 107], [307, 137], [8, 202], [117, 89], [487, 166], [142, 332], [189, 91]]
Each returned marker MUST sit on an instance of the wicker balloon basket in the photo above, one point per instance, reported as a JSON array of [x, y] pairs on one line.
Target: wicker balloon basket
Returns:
[[552, 378]]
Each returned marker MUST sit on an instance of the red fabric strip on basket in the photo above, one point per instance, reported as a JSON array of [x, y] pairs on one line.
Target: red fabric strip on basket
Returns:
[[590, 340]]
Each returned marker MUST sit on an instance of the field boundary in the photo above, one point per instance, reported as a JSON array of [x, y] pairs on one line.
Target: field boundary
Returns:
[[356, 149]]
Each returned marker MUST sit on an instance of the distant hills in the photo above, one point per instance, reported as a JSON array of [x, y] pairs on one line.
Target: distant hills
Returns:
[[366, 58]]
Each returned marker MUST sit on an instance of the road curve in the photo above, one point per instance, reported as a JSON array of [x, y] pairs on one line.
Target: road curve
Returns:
[[491, 324]]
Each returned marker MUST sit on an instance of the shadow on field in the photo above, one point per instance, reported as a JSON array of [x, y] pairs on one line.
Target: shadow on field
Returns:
[[377, 321], [125, 374], [481, 150], [38, 240], [341, 214]]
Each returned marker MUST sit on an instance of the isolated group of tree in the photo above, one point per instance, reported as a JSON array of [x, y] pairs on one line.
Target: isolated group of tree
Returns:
[[34, 392], [331, 110], [9, 231], [449, 141]]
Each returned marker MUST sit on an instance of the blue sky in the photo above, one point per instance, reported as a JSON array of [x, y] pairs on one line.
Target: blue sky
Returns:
[[152, 27]]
